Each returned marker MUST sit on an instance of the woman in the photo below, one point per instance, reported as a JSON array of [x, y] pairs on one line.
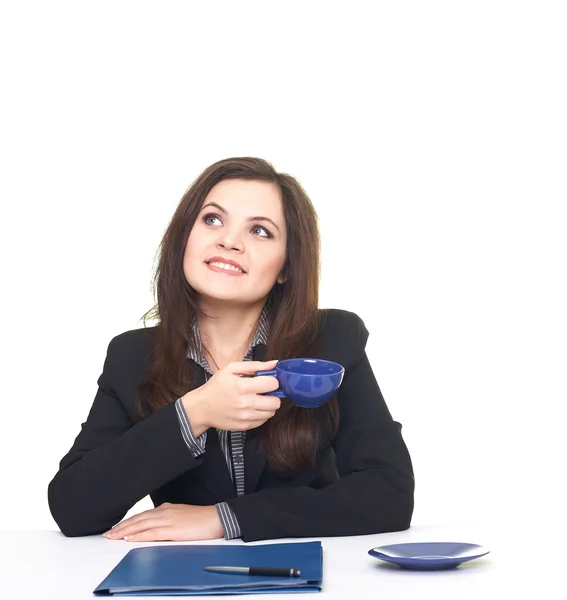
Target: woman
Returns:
[[237, 290]]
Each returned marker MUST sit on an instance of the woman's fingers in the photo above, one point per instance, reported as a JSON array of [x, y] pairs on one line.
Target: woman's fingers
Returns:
[[250, 367], [151, 513], [260, 384], [136, 527]]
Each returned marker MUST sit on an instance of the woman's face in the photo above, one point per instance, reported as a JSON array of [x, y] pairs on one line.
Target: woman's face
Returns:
[[237, 247]]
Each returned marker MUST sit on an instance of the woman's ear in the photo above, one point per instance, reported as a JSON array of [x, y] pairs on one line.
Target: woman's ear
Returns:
[[281, 278]]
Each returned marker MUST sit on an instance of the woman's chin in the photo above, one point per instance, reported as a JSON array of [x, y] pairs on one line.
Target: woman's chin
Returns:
[[227, 297]]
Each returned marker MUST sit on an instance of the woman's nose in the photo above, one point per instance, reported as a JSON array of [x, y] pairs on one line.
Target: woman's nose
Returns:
[[230, 240]]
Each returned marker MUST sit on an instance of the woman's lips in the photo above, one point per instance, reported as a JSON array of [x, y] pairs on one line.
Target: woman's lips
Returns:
[[225, 262], [224, 268]]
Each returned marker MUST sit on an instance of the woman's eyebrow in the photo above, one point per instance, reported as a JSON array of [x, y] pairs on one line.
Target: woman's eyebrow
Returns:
[[223, 210]]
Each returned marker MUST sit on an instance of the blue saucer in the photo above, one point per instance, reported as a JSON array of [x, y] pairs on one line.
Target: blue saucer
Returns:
[[428, 556]]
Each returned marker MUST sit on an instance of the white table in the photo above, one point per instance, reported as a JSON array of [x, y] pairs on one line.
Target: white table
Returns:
[[46, 565]]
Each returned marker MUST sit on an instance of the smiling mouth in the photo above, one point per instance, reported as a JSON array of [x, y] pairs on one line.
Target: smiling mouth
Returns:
[[225, 267]]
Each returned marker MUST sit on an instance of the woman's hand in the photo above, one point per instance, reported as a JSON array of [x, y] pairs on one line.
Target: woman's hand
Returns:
[[170, 522], [231, 402]]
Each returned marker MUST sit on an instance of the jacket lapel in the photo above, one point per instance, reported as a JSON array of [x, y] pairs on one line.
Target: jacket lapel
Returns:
[[254, 457], [254, 461], [213, 471]]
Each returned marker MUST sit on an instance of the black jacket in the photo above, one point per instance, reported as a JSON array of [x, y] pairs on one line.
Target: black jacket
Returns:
[[362, 484]]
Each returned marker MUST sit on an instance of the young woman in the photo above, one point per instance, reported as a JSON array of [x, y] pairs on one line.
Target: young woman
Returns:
[[237, 290]]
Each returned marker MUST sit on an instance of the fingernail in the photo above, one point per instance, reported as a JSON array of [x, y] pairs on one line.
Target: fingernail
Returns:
[[128, 537]]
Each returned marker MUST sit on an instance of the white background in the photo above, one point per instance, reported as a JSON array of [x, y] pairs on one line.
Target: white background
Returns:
[[431, 137]]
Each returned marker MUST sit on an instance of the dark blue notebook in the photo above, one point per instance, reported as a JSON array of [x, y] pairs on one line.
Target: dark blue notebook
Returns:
[[179, 570]]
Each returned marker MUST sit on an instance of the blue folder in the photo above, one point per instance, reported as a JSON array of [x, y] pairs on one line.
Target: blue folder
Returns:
[[177, 570]]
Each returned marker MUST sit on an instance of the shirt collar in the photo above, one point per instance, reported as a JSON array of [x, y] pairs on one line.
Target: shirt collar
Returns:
[[197, 353]]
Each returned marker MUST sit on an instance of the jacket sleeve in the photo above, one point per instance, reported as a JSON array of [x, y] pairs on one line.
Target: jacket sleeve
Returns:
[[375, 491], [114, 463]]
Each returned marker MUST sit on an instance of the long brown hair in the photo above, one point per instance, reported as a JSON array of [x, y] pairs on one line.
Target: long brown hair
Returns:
[[293, 436]]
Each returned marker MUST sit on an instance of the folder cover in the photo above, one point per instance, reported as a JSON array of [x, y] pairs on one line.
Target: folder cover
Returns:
[[178, 570]]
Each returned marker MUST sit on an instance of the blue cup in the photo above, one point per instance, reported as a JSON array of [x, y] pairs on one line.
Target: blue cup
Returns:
[[307, 382]]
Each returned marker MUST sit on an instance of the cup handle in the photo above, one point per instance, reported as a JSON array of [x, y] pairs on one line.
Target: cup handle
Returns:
[[271, 373]]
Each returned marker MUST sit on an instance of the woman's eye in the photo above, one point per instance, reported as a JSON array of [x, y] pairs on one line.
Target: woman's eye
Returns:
[[214, 221], [210, 219], [261, 231]]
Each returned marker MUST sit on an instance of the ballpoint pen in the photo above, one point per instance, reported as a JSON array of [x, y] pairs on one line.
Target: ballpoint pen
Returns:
[[271, 571]]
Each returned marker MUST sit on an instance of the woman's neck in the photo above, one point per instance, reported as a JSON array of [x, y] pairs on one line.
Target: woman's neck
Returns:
[[226, 330]]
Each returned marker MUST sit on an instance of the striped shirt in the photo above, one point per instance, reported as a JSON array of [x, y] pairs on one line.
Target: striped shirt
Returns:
[[231, 442]]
